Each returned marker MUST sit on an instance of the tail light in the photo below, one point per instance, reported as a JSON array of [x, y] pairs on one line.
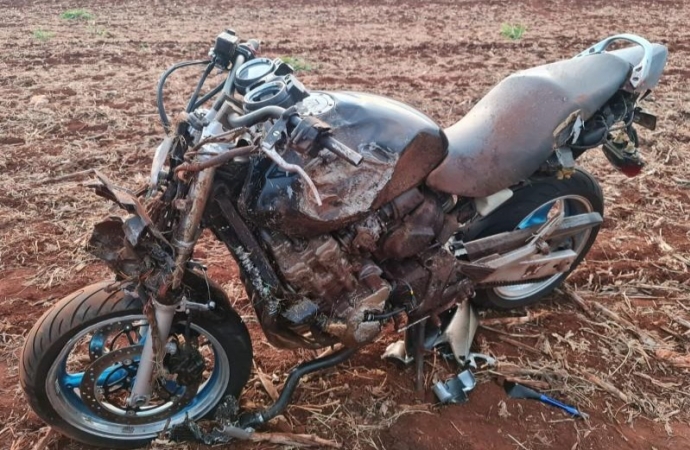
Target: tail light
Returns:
[[625, 157]]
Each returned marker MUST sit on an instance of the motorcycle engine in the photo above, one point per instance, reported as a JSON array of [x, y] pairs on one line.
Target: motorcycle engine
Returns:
[[346, 276], [340, 286], [374, 242]]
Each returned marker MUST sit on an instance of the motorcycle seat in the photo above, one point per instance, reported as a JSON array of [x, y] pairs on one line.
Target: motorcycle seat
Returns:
[[506, 136]]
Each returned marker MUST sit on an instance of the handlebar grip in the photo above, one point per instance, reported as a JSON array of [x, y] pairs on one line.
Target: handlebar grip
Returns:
[[342, 150]]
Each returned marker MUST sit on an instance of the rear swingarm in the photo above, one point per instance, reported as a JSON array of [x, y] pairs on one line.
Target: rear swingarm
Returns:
[[524, 255]]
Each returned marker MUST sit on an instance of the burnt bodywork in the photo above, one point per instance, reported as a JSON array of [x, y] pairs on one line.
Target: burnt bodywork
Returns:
[[330, 254], [318, 274], [342, 216], [399, 145]]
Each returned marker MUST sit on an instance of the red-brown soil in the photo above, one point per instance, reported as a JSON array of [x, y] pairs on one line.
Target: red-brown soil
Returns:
[[84, 97]]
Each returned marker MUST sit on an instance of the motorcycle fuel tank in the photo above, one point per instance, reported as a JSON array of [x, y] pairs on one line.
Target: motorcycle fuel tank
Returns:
[[399, 145]]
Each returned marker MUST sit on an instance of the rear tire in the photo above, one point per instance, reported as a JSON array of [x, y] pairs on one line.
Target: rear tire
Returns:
[[579, 194], [76, 319]]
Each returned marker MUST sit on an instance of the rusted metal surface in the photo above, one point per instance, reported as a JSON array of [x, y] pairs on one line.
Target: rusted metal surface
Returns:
[[396, 155], [259, 278], [416, 232], [119, 243], [317, 266], [125, 199], [214, 161], [108, 243], [347, 192], [436, 277], [187, 231], [343, 286], [332, 266]]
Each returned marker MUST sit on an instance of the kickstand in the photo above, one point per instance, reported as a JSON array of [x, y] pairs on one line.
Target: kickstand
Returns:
[[419, 356]]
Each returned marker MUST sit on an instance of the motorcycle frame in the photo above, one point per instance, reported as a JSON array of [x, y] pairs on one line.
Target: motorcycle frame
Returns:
[[208, 204], [208, 200]]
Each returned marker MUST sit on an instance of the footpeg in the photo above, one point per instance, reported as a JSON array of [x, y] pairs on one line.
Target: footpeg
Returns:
[[455, 390]]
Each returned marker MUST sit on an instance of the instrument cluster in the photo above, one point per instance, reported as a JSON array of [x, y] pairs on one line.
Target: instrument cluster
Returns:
[[265, 82]]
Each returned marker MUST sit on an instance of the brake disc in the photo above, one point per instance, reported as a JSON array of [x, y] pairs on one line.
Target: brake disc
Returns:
[[106, 385], [98, 344]]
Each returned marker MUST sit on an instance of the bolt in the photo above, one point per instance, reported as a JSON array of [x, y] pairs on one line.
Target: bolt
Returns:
[[140, 401], [171, 348], [127, 362], [130, 412]]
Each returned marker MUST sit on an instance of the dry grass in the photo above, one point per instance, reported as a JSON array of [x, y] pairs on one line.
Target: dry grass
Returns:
[[86, 100]]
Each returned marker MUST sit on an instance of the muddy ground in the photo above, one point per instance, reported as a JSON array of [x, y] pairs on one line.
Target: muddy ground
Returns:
[[80, 94]]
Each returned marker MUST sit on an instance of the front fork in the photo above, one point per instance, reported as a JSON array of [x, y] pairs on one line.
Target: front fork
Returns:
[[141, 391], [184, 239]]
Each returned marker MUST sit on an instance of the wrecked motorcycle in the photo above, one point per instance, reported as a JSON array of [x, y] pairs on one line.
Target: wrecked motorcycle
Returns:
[[344, 211]]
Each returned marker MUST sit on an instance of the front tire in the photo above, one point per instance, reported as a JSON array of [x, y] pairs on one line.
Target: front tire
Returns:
[[95, 334], [530, 205]]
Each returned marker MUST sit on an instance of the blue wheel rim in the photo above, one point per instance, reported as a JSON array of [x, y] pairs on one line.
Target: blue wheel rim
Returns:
[[62, 387]]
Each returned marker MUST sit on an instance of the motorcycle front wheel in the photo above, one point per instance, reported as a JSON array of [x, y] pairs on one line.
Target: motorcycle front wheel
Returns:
[[534, 204], [80, 360]]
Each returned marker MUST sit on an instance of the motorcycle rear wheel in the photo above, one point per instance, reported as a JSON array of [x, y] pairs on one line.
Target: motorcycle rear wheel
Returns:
[[534, 204], [79, 362]]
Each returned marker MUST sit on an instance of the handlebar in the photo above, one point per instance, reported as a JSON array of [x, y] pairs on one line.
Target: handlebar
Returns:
[[341, 150], [276, 112], [246, 51]]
